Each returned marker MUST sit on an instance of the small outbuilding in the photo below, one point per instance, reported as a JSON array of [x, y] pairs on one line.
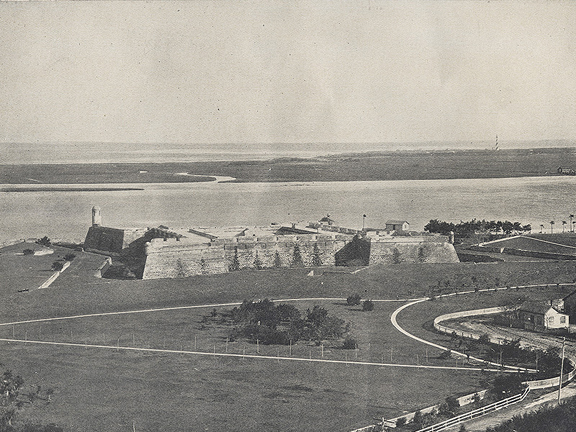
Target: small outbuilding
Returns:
[[397, 225], [542, 316]]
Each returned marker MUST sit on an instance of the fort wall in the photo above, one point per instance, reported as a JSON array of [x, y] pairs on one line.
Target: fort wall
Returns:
[[397, 250], [111, 241], [170, 258], [181, 258]]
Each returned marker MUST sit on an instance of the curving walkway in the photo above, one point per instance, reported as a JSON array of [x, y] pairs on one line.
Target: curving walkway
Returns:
[[411, 301], [394, 320]]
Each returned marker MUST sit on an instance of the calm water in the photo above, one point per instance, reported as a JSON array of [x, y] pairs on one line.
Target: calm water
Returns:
[[67, 214]]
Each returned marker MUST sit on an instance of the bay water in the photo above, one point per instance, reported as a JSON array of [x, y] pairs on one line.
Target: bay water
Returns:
[[67, 214]]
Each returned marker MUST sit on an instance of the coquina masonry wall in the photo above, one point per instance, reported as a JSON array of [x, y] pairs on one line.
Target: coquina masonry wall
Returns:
[[412, 250], [172, 258], [180, 258]]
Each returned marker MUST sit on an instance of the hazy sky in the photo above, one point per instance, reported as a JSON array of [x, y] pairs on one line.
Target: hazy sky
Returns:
[[287, 71]]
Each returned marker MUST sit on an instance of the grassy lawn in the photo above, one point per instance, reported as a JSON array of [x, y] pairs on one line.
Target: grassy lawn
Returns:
[[418, 319], [108, 390], [21, 272], [336, 396]]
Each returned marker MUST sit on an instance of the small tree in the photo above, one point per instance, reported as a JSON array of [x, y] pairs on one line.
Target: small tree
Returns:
[[277, 260], [28, 252], [257, 262], [396, 256], [401, 422], [297, 257], [417, 420], [57, 266], [10, 386], [203, 266], [181, 268], [367, 306], [316, 256], [349, 343], [353, 299], [422, 255], [69, 257], [235, 264]]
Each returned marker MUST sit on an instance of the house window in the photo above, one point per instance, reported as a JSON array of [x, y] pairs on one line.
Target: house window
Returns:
[[562, 320], [550, 320]]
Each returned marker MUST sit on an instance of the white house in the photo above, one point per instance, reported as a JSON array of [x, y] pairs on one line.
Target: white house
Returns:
[[397, 225], [541, 316]]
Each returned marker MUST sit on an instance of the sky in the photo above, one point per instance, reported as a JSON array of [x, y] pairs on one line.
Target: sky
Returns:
[[287, 71]]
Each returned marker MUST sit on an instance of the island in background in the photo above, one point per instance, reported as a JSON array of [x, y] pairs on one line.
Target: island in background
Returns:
[[371, 166]]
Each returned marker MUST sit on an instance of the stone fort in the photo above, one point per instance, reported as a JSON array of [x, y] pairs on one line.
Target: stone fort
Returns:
[[167, 253]]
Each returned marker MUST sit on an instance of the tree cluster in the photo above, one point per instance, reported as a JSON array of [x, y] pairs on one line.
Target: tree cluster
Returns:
[[466, 229], [561, 418], [267, 323], [13, 398], [44, 241], [510, 352]]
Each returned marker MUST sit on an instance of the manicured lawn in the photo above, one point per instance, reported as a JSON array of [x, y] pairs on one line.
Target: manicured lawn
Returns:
[[98, 389], [21, 272]]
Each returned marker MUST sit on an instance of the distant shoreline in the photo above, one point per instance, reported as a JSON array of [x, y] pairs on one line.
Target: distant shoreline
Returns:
[[62, 189], [368, 166]]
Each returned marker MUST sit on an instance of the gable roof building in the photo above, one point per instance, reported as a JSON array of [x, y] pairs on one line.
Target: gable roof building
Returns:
[[542, 316], [397, 225]]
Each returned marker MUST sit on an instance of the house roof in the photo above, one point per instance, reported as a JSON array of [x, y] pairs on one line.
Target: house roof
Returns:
[[569, 295], [536, 307], [396, 222]]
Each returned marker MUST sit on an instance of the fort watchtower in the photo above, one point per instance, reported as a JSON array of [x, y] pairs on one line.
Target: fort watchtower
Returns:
[[96, 216]]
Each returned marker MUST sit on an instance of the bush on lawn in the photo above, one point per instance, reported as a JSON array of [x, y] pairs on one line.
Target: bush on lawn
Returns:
[[353, 299]]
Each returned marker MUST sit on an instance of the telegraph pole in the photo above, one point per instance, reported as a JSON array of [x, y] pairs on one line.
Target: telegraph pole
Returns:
[[561, 371]]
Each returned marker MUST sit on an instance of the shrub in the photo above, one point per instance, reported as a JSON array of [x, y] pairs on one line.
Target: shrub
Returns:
[[450, 406], [401, 422], [69, 257], [28, 252], [507, 385], [368, 306], [57, 266], [417, 420], [353, 299], [349, 343], [445, 355]]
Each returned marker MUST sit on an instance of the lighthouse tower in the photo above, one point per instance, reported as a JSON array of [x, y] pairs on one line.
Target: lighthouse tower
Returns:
[[96, 216]]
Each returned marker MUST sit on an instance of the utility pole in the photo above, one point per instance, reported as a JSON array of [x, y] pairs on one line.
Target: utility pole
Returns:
[[561, 371]]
